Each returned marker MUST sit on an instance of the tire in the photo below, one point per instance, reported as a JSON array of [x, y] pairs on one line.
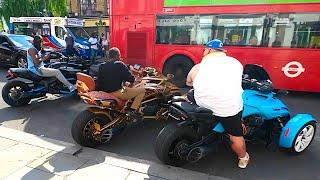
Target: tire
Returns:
[[15, 101], [21, 62], [309, 126], [179, 66], [79, 125], [168, 138]]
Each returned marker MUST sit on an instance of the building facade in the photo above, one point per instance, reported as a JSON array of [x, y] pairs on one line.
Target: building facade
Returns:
[[94, 12]]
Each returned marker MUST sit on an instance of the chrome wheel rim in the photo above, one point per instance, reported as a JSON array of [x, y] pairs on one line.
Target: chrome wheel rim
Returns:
[[22, 63], [304, 138], [15, 93]]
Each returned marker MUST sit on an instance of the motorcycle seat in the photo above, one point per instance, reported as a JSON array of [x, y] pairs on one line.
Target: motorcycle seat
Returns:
[[192, 108], [25, 73], [104, 96]]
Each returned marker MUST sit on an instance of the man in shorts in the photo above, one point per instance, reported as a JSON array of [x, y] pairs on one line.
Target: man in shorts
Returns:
[[217, 83]]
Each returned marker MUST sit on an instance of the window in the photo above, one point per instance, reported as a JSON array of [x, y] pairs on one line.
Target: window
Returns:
[[174, 29], [60, 32], [88, 7], [239, 30], [197, 30], [78, 32], [32, 29], [294, 30]]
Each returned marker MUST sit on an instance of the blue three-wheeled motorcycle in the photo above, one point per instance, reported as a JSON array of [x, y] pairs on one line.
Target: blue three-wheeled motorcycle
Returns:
[[265, 117]]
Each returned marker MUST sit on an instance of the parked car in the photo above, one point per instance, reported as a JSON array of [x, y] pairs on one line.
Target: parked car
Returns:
[[13, 49]]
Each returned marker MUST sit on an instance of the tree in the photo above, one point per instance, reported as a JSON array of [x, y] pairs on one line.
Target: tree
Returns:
[[19, 8], [57, 7]]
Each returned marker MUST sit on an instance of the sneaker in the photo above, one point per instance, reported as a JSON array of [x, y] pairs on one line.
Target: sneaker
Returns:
[[243, 162], [72, 88]]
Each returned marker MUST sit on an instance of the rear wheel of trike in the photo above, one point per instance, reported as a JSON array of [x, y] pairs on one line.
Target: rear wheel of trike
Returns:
[[303, 138], [171, 140], [12, 93], [85, 128]]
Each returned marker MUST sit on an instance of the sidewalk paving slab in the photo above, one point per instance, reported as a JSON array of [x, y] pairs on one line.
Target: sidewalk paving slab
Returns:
[[58, 163], [27, 173], [138, 176], [18, 156], [44, 142], [6, 143], [95, 170]]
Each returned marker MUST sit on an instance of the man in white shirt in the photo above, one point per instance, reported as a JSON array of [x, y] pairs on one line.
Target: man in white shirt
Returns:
[[94, 46], [217, 83]]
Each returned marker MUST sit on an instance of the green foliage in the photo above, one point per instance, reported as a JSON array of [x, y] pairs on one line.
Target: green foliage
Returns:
[[19, 8], [57, 7]]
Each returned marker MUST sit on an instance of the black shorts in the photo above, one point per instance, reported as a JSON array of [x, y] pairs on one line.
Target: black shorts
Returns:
[[232, 124]]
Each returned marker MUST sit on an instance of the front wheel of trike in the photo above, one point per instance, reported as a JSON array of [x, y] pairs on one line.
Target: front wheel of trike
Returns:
[[303, 138], [86, 128]]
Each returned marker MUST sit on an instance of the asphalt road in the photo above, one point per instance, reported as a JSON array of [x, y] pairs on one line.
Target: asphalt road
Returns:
[[52, 117]]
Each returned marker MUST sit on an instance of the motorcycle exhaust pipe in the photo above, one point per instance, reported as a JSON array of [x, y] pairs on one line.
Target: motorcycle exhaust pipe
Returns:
[[198, 153]]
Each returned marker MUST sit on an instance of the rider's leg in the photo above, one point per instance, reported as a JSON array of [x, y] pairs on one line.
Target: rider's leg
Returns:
[[233, 126], [238, 145], [50, 72], [137, 93]]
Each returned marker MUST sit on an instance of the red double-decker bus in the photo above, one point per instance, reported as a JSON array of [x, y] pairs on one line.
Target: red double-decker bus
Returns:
[[282, 36]]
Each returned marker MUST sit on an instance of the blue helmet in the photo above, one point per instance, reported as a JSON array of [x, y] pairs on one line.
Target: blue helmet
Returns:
[[215, 44]]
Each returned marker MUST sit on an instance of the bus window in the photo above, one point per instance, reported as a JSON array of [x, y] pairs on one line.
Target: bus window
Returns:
[[236, 30], [295, 30], [240, 30], [176, 30], [205, 29]]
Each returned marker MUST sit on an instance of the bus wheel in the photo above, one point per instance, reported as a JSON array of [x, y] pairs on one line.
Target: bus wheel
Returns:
[[179, 66]]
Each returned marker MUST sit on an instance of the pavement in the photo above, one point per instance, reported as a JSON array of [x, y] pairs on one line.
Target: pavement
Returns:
[[30, 157]]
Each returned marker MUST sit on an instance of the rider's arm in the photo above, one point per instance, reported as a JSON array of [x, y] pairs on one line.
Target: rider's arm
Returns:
[[127, 75], [34, 55], [36, 58], [192, 74]]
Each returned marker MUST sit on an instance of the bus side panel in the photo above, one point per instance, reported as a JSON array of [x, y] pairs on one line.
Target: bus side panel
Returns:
[[133, 7], [290, 69], [281, 64], [114, 31], [135, 38], [164, 52]]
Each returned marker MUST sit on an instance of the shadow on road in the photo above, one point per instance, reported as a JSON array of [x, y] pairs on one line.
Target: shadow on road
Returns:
[[50, 117]]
